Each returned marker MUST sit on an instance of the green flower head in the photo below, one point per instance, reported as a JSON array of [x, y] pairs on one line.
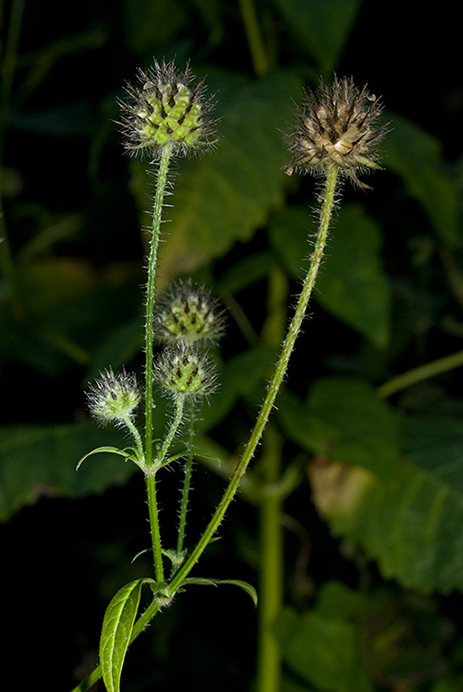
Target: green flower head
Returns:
[[166, 110]]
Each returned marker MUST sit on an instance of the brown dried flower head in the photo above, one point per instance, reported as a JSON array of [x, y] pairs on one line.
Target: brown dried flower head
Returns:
[[165, 110], [336, 126]]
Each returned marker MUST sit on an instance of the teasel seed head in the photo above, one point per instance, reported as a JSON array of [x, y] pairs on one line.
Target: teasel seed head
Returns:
[[189, 313], [337, 126], [166, 110], [183, 370], [113, 398]]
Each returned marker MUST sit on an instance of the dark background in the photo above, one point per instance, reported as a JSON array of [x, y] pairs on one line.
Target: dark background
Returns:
[[63, 559]]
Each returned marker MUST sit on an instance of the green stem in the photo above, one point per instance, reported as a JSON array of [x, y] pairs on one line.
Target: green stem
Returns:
[[270, 568], [295, 325], [186, 484], [280, 371], [150, 293], [254, 37], [150, 482], [268, 472], [161, 184], [179, 408], [135, 434], [423, 372]]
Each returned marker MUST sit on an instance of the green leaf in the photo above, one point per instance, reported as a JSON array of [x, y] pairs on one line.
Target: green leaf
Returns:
[[40, 460], [323, 650], [415, 155], [250, 590], [116, 632], [150, 26], [345, 419], [128, 453], [352, 284], [226, 194], [411, 526], [323, 26]]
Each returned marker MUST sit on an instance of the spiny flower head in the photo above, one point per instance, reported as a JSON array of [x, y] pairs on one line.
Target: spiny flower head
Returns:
[[113, 398], [184, 371], [189, 313], [336, 125], [164, 110]]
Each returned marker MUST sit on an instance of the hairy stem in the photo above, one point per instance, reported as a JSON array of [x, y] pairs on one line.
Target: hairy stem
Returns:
[[179, 408], [150, 294], [248, 453], [186, 483], [149, 342], [275, 384]]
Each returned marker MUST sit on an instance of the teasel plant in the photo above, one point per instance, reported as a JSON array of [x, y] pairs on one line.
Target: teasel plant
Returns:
[[335, 138]]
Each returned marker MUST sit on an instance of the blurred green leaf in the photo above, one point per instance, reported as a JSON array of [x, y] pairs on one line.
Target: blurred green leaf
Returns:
[[412, 525], [226, 194], [66, 307], [40, 461], [324, 650], [352, 284], [323, 27], [344, 419], [416, 156], [149, 26]]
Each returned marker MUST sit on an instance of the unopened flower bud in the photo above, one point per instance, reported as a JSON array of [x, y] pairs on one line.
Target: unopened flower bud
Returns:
[[336, 126], [184, 371], [189, 313], [113, 398], [165, 110]]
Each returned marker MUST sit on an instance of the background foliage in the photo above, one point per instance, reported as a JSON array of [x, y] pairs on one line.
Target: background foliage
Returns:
[[374, 549]]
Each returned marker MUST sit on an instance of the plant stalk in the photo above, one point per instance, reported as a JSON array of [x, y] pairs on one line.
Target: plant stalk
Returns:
[[149, 343], [186, 483], [271, 561], [329, 196]]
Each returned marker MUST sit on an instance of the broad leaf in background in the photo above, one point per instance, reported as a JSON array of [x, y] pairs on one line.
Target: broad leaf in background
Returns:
[[41, 460], [369, 627], [323, 645], [416, 156], [344, 419], [323, 27], [411, 526], [352, 285], [225, 195]]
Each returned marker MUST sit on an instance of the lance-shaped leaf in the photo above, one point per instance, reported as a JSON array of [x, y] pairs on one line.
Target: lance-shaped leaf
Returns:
[[128, 453], [250, 590], [116, 631]]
